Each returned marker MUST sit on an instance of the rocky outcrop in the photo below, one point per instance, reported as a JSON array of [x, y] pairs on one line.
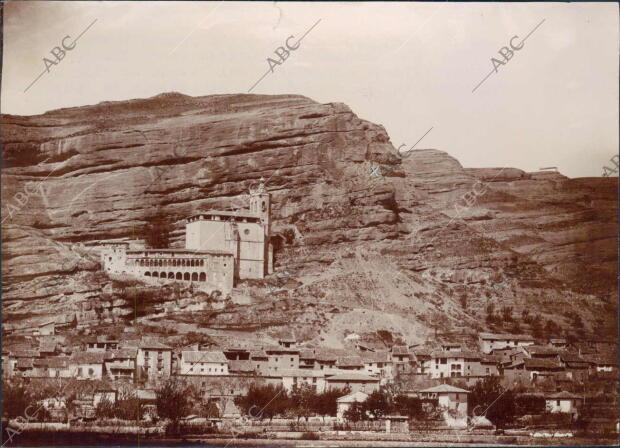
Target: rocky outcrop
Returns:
[[402, 245]]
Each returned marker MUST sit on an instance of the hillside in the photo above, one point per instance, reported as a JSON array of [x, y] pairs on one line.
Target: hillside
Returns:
[[405, 252]]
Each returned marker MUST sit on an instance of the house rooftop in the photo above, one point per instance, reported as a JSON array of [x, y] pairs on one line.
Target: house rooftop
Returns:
[[87, 357], [197, 356], [241, 366], [563, 395], [444, 388], [354, 397], [400, 350], [351, 376], [505, 337]]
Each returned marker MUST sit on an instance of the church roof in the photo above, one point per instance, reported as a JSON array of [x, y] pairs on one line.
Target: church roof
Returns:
[[181, 251], [238, 213]]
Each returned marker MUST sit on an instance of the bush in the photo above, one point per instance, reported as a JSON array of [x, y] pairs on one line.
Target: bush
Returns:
[[309, 435]]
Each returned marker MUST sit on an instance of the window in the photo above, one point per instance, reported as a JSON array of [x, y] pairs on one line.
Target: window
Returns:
[[444, 361], [79, 371], [291, 359], [91, 372], [557, 402]]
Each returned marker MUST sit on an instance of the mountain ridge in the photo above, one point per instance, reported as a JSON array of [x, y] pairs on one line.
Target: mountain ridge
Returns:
[[108, 170]]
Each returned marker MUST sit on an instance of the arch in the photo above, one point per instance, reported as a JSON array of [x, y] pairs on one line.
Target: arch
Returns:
[[186, 276], [155, 274], [203, 277], [194, 276], [147, 273], [182, 262], [171, 275], [179, 276]]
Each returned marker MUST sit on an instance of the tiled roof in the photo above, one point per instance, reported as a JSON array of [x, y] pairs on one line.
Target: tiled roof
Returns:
[[122, 353], [504, 337], [258, 354], [305, 373], [454, 354], [155, 345], [306, 354], [87, 357], [56, 362], [541, 350], [536, 363], [376, 357], [563, 395], [400, 350], [47, 346], [571, 357], [355, 397], [444, 388], [240, 366], [212, 356], [25, 363], [351, 376], [25, 354], [350, 361]]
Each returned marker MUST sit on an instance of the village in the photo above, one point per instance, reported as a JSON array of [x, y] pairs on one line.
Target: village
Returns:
[[88, 378], [562, 386]]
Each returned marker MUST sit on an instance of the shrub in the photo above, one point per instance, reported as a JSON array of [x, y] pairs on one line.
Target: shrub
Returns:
[[309, 435]]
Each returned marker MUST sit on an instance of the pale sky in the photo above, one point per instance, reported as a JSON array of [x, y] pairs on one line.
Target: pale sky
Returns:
[[406, 66]]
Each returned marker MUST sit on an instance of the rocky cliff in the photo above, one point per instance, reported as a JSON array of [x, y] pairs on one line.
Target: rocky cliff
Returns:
[[419, 244]]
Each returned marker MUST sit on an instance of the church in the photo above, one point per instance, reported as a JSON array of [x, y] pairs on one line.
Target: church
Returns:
[[221, 247]]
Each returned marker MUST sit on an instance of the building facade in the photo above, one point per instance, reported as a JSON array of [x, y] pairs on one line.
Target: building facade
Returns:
[[220, 248]]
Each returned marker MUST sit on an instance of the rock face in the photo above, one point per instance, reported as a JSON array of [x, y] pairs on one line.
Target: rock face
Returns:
[[390, 249]]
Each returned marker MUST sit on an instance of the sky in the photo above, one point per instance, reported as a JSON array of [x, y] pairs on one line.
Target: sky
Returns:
[[407, 66]]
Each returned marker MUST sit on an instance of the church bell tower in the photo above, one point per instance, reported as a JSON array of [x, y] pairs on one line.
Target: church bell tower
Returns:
[[260, 204]]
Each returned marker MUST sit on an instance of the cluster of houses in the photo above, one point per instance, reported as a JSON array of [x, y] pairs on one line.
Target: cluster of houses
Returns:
[[228, 371]]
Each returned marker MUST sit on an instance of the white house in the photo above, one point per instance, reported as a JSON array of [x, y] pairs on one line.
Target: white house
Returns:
[[299, 377], [447, 396], [203, 363], [154, 360], [563, 402], [86, 365], [344, 403], [490, 341]]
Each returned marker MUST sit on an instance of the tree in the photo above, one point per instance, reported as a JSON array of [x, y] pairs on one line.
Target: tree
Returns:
[[156, 233], [489, 398], [410, 406], [525, 315], [377, 404], [326, 403], [172, 401], [536, 327], [355, 412], [463, 301], [507, 313], [264, 401], [16, 398]]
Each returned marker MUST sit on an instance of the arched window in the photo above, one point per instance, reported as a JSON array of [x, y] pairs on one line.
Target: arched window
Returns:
[[202, 262], [171, 275], [186, 276], [203, 277], [155, 274], [194, 276], [147, 273], [179, 276]]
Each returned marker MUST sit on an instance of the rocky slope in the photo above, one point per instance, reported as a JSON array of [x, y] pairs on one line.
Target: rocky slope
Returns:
[[396, 251]]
